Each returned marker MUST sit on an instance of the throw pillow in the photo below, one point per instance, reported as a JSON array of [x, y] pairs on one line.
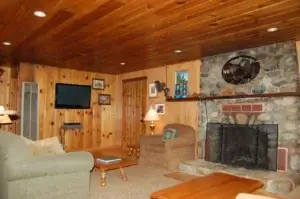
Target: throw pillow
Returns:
[[28, 141], [169, 133], [47, 146]]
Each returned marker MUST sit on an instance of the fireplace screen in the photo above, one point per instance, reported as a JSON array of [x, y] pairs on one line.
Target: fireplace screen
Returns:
[[251, 147]]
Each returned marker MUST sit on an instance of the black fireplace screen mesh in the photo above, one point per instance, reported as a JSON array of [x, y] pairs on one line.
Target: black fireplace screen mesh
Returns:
[[251, 147]]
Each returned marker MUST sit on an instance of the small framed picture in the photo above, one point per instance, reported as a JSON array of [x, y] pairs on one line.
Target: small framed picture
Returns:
[[160, 108], [98, 84], [152, 90], [104, 99]]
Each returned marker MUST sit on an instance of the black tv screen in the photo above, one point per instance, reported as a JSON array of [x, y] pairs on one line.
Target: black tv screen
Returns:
[[70, 96]]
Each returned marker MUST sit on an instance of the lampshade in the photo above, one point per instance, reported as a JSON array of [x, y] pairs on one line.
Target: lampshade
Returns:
[[151, 115], [7, 112], [4, 119]]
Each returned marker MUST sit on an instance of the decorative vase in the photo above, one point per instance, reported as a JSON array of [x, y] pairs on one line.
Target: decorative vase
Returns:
[[177, 91], [184, 90]]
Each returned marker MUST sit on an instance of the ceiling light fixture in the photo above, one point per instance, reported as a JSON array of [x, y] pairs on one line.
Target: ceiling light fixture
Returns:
[[6, 43], [178, 51], [272, 29], [40, 13], [123, 63]]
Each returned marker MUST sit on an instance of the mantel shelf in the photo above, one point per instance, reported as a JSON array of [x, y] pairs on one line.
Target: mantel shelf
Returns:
[[209, 98]]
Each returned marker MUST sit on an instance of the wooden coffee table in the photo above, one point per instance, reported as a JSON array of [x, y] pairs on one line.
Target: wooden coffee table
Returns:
[[118, 165], [215, 185]]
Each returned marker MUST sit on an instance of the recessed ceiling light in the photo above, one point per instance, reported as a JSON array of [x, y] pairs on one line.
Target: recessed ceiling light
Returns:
[[178, 51], [123, 63], [6, 43], [272, 29], [39, 13]]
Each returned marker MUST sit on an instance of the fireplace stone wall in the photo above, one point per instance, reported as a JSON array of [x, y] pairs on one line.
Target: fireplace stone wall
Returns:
[[279, 73]]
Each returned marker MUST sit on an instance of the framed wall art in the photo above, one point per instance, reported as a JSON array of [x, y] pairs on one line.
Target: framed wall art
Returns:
[[160, 109], [152, 90], [98, 84], [104, 99]]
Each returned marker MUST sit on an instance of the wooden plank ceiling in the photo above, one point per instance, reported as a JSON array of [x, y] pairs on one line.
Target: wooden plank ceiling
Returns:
[[98, 35]]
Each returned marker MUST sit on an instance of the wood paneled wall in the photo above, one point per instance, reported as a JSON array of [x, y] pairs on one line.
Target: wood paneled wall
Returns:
[[9, 93], [98, 122], [179, 112]]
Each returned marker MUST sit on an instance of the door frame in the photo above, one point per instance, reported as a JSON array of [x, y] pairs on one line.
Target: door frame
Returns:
[[123, 106]]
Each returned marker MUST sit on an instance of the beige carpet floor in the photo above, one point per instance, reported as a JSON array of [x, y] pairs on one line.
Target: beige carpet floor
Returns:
[[142, 181]]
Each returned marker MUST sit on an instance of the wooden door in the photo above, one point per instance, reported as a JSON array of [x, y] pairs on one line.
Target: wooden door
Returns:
[[134, 109]]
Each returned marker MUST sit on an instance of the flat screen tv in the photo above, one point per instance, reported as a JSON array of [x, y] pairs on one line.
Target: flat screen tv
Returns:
[[70, 96]]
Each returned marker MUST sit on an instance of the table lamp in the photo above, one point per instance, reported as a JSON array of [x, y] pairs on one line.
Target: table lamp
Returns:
[[151, 116], [4, 115]]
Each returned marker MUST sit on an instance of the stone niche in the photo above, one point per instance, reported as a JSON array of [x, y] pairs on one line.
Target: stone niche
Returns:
[[279, 73]]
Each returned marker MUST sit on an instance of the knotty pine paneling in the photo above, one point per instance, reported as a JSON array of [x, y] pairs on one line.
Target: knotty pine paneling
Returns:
[[98, 122], [179, 112], [8, 94]]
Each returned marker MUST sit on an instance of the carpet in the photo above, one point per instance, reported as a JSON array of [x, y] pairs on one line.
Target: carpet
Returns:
[[142, 181], [180, 176]]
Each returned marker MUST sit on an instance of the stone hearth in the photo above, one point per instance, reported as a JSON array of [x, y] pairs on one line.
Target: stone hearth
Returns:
[[275, 182]]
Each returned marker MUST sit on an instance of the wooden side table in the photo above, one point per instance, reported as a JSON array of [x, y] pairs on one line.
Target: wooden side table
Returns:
[[134, 149]]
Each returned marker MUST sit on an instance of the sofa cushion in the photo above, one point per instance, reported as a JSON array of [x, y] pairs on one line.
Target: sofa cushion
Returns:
[[169, 133]]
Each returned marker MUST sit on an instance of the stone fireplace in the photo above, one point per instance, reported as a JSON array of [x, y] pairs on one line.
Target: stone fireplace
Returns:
[[256, 137], [278, 73]]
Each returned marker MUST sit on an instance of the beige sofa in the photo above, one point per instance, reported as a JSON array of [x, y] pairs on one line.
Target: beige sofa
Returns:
[[168, 155], [251, 196], [25, 176]]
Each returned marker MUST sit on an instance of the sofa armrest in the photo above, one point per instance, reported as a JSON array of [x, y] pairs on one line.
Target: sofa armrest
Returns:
[[180, 142], [39, 166], [150, 139], [251, 196]]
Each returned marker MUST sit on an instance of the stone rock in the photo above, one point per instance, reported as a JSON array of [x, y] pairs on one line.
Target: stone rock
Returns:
[[288, 136], [288, 62], [295, 162], [279, 186], [203, 74], [241, 118], [270, 64], [264, 117], [202, 171], [292, 110], [291, 126], [279, 82], [187, 168], [293, 117], [214, 114], [231, 119], [288, 101], [288, 88], [278, 101]]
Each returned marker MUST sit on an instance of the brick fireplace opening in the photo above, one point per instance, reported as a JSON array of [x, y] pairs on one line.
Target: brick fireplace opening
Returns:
[[248, 146]]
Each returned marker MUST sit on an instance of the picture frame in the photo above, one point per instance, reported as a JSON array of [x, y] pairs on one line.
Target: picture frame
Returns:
[[98, 84], [181, 77], [104, 99], [160, 109], [152, 90]]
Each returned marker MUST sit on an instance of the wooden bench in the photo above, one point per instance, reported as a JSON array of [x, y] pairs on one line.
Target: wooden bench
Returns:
[[212, 186]]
